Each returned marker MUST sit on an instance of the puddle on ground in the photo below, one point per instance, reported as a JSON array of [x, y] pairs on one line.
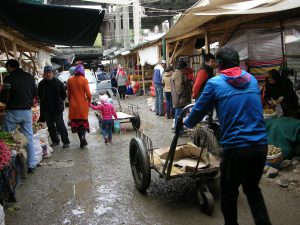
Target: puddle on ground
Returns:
[[57, 164], [145, 125], [71, 191]]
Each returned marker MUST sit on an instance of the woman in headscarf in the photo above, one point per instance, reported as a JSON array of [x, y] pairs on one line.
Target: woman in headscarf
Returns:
[[122, 80], [79, 97], [281, 90]]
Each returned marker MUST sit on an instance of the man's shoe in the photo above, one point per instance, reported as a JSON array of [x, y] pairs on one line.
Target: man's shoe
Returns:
[[161, 114], [30, 170], [54, 144], [66, 145]]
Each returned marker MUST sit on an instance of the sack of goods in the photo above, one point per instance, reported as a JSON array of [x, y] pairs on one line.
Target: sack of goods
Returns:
[[42, 130], [274, 156]]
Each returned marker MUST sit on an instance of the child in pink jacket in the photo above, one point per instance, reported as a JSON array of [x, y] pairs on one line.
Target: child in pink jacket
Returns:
[[107, 111]]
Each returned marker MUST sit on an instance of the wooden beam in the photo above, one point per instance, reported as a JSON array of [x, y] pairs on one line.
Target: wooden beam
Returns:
[[18, 41], [167, 53], [270, 25], [225, 37], [182, 48], [33, 62], [21, 54], [23, 62], [14, 44], [193, 33], [5, 49], [174, 51], [207, 43]]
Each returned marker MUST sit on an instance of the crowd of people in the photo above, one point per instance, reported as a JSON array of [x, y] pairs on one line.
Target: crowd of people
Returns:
[[234, 93], [239, 102], [180, 86], [51, 94]]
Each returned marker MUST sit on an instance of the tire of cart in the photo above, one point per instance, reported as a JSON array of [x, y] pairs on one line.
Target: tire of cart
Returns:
[[205, 198], [136, 121], [140, 164]]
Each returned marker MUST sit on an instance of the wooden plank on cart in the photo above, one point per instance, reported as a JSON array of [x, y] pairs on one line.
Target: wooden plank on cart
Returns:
[[122, 115]]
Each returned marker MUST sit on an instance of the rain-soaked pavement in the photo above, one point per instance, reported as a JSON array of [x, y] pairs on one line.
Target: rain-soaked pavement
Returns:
[[95, 186]]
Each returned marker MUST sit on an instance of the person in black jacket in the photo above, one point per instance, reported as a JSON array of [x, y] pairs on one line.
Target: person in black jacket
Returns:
[[52, 93], [280, 89], [18, 105]]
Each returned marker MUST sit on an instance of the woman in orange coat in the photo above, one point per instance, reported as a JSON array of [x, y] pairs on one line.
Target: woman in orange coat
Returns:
[[79, 97]]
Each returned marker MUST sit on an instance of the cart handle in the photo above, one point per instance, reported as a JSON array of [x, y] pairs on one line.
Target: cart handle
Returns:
[[179, 123]]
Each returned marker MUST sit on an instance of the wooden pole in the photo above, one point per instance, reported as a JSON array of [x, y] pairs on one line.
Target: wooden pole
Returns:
[[143, 77], [207, 47], [174, 51], [167, 53], [6, 52], [21, 54], [33, 62], [15, 50], [282, 39]]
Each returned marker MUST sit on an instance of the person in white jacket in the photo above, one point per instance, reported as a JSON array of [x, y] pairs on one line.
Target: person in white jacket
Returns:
[[157, 79]]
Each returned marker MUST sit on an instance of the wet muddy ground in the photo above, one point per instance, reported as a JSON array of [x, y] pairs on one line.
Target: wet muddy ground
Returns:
[[95, 186]]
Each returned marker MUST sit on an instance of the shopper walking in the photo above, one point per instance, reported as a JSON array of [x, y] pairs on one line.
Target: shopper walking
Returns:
[[107, 111], [79, 97], [157, 79], [166, 81], [52, 94], [122, 80], [18, 105], [236, 95]]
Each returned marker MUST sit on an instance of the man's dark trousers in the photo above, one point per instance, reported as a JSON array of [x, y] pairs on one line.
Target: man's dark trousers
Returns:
[[54, 121], [243, 166]]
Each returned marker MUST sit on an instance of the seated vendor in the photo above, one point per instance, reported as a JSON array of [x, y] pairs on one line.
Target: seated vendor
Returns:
[[279, 90]]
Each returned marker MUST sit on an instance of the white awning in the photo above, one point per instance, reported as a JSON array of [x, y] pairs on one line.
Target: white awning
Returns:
[[109, 51], [149, 55], [205, 11]]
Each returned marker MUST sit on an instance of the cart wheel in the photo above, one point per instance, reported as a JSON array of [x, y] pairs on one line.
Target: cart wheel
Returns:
[[140, 164], [136, 121], [205, 199]]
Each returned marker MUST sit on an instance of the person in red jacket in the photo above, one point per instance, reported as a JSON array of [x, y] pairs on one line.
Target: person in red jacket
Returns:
[[203, 75]]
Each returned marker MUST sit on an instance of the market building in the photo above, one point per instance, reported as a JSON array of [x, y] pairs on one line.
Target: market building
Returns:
[[126, 173]]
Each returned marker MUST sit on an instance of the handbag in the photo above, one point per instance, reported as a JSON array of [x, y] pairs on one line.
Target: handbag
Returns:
[[117, 126]]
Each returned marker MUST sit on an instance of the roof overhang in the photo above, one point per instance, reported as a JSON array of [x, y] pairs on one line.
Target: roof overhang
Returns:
[[50, 24], [193, 22]]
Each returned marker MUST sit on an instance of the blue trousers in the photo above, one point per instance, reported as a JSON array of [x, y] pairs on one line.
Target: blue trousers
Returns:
[[177, 113], [24, 119], [159, 99], [107, 129], [170, 109]]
